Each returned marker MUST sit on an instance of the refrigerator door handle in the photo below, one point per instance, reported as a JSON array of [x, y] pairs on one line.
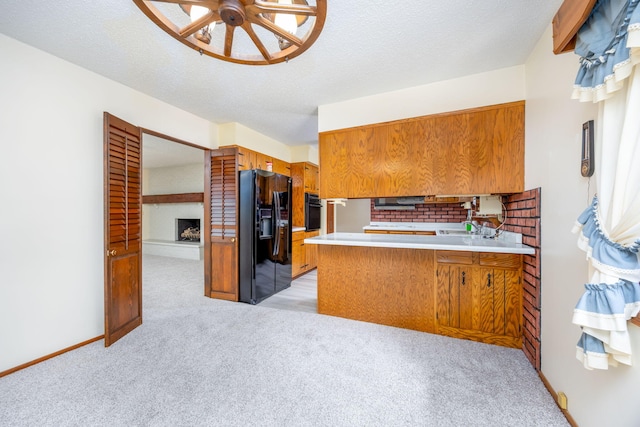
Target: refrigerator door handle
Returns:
[[276, 234]]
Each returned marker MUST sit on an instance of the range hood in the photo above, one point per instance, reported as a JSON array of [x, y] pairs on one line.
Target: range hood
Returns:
[[397, 203]]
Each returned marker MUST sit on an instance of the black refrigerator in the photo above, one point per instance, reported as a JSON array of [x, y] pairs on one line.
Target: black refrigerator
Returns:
[[264, 234]]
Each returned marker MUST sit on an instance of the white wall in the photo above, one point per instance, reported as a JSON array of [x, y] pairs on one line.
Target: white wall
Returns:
[[51, 191], [494, 87], [305, 153], [553, 149], [352, 217], [159, 219], [238, 134], [174, 179]]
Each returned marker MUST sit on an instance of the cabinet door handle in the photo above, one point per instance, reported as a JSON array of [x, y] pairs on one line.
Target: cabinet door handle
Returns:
[[464, 278], [488, 280]]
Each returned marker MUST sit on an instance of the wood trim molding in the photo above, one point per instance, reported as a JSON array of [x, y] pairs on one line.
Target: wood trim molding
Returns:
[[567, 21], [50, 356], [171, 138], [174, 198], [553, 393]]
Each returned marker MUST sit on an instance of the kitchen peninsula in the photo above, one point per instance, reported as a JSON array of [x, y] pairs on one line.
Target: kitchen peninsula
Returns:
[[463, 286]]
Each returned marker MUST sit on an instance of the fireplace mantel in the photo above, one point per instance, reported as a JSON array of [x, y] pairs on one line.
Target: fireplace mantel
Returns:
[[174, 198]]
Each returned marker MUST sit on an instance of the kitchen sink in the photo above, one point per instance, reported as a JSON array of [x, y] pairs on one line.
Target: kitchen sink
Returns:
[[451, 232], [465, 233]]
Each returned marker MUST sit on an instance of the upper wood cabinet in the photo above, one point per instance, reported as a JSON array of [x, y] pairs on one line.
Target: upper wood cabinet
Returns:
[[246, 158], [311, 178], [304, 176], [249, 159], [281, 167], [261, 161], [477, 151]]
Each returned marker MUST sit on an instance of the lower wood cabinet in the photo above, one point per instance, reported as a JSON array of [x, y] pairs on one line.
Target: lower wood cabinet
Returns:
[[479, 296], [462, 294], [311, 251], [303, 257], [298, 257]]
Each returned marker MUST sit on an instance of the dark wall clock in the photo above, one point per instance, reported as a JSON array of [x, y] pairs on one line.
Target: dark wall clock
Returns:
[[587, 166]]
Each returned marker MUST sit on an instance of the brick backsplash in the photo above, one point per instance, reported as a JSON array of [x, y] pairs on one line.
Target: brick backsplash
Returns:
[[436, 212], [523, 216]]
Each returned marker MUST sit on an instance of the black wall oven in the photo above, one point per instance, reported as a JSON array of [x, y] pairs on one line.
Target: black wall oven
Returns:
[[312, 207]]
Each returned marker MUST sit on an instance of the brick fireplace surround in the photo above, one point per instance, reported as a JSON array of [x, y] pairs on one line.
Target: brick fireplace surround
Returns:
[[523, 216]]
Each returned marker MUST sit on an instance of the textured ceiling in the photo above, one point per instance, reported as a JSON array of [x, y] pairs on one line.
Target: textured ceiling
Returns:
[[366, 47]]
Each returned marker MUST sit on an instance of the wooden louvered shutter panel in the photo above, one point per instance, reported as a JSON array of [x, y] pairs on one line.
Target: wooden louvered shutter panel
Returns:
[[124, 190], [123, 228], [221, 254]]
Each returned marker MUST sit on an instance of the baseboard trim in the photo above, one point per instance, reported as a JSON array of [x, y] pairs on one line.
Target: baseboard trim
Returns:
[[50, 356], [565, 412]]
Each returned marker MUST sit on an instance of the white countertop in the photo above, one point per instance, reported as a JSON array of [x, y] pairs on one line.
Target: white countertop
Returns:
[[296, 229], [411, 241]]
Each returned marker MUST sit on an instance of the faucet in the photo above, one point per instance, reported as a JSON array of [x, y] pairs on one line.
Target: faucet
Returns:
[[473, 227], [470, 225]]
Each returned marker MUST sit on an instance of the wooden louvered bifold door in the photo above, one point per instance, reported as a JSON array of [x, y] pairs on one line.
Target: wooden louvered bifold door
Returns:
[[221, 225], [122, 230]]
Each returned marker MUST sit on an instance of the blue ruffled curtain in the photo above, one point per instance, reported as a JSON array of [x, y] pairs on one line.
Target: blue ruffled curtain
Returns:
[[609, 46]]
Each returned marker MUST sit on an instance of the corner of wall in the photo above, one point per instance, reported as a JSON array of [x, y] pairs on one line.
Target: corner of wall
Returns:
[[305, 153], [225, 134], [214, 135], [234, 133]]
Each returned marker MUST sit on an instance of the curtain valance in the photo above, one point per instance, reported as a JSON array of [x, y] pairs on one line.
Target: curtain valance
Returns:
[[607, 44]]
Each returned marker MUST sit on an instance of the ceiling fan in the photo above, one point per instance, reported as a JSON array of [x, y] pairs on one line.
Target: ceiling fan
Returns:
[[271, 31]]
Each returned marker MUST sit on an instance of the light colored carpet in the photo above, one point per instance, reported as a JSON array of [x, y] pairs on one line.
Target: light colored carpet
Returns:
[[198, 361]]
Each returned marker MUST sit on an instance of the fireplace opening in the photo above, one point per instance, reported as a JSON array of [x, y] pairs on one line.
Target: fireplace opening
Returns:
[[187, 229]]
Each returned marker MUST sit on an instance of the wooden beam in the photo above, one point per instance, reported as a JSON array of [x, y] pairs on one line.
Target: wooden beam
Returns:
[[568, 20], [174, 198]]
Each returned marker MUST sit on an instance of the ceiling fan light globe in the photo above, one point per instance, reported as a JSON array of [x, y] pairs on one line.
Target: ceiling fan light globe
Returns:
[[286, 21], [197, 12]]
